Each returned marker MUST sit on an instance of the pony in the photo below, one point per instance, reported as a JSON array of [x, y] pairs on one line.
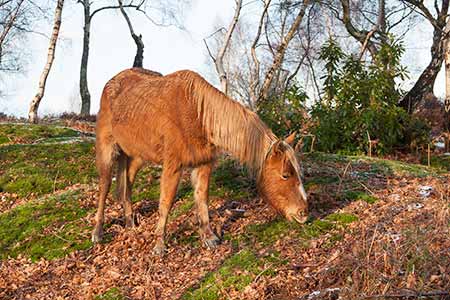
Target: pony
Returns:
[[181, 121]]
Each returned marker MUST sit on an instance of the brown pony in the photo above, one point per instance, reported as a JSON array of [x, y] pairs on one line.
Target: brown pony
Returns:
[[181, 121]]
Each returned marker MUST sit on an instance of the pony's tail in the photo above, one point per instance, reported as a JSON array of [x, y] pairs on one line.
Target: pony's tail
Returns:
[[122, 180]]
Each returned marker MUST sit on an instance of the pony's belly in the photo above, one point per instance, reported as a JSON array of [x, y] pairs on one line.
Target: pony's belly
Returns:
[[148, 147]]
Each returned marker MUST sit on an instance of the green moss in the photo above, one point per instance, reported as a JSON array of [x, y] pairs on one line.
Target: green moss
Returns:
[[268, 233], [439, 162], [29, 133], [49, 228], [359, 195], [41, 169], [395, 167], [320, 181], [237, 272], [342, 218], [111, 294], [181, 209], [230, 180], [326, 157]]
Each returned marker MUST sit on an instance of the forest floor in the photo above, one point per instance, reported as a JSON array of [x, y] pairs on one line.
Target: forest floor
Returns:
[[379, 229]]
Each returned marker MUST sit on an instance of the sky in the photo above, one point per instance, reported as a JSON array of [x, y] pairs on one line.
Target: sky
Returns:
[[167, 49]]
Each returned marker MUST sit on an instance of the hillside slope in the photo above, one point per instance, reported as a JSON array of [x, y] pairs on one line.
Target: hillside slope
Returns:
[[378, 227]]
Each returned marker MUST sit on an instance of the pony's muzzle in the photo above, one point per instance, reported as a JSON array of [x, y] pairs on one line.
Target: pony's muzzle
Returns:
[[301, 216]]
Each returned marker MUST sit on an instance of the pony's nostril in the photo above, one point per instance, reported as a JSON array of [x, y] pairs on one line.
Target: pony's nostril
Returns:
[[301, 216]]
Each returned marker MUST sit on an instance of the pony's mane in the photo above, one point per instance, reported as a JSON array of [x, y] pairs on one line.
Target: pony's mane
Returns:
[[232, 127]]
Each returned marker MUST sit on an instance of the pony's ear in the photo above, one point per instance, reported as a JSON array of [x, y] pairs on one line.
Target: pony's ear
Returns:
[[278, 147], [291, 138]]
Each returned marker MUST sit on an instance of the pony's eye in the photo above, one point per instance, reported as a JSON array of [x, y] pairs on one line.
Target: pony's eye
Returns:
[[285, 176]]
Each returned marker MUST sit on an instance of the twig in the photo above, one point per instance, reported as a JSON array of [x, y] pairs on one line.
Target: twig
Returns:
[[341, 179], [261, 273], [54, 182], [366, 188], [371, 244], [61, 238], [411, 295]]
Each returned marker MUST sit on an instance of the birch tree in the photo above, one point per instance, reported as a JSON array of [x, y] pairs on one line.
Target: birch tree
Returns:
[[88, 16], [32, 114], [219, 59]]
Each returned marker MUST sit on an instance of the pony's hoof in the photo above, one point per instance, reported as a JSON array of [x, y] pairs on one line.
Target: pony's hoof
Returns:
[[97, 235], [211, 242], [159, 249], [130, 222]]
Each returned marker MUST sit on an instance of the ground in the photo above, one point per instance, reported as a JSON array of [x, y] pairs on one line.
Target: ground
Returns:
[[377, 227]]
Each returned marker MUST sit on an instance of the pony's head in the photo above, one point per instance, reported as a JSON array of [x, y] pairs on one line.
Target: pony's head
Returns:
[[280, 183]]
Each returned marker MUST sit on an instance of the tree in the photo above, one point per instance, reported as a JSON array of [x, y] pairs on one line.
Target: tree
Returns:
[[165, 9], [425, 83], [262, 58], [280, 52], [17, 20], [139, 58], [88, 16], [32, 114], [261, 84], [9, 18], [219, 59]]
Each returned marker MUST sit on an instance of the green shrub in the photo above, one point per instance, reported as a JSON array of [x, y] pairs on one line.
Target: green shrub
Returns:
[[286, 113], [360, 100]]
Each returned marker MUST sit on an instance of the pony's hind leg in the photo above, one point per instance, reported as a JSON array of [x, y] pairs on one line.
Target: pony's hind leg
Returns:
[[200, 181], [170, 179], [104, 161], [127, 170]]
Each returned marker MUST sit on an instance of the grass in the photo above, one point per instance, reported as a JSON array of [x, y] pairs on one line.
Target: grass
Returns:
[[266, 234], [111, 294], [49, 228], [41, 169], [440, 162], [241, 268], [236, 272], [231, 181], [311, 182], [29, 133], [359, 195], [53, 226]]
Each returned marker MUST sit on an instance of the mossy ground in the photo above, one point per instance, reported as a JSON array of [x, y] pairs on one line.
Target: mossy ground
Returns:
[[48, 227], [51, 225], [42, 169], [111, 294], [26, 133]]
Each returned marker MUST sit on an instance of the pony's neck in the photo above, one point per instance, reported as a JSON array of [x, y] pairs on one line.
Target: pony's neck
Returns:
[[232, 127]]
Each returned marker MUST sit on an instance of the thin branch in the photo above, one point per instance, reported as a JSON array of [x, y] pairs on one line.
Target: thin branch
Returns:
[[112, 7], [209, 50]]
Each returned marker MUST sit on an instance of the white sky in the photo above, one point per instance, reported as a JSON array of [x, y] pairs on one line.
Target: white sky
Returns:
[[166, 50]]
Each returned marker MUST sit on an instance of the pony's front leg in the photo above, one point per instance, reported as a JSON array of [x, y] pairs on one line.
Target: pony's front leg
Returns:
[[170, 179], [200, 181]]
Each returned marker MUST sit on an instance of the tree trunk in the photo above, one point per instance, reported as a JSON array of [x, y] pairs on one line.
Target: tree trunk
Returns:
[[424, 85], [447, 90], [139, 58], [219, 61], [32, 114], [84, 90], [279, 57], [363, 36]]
